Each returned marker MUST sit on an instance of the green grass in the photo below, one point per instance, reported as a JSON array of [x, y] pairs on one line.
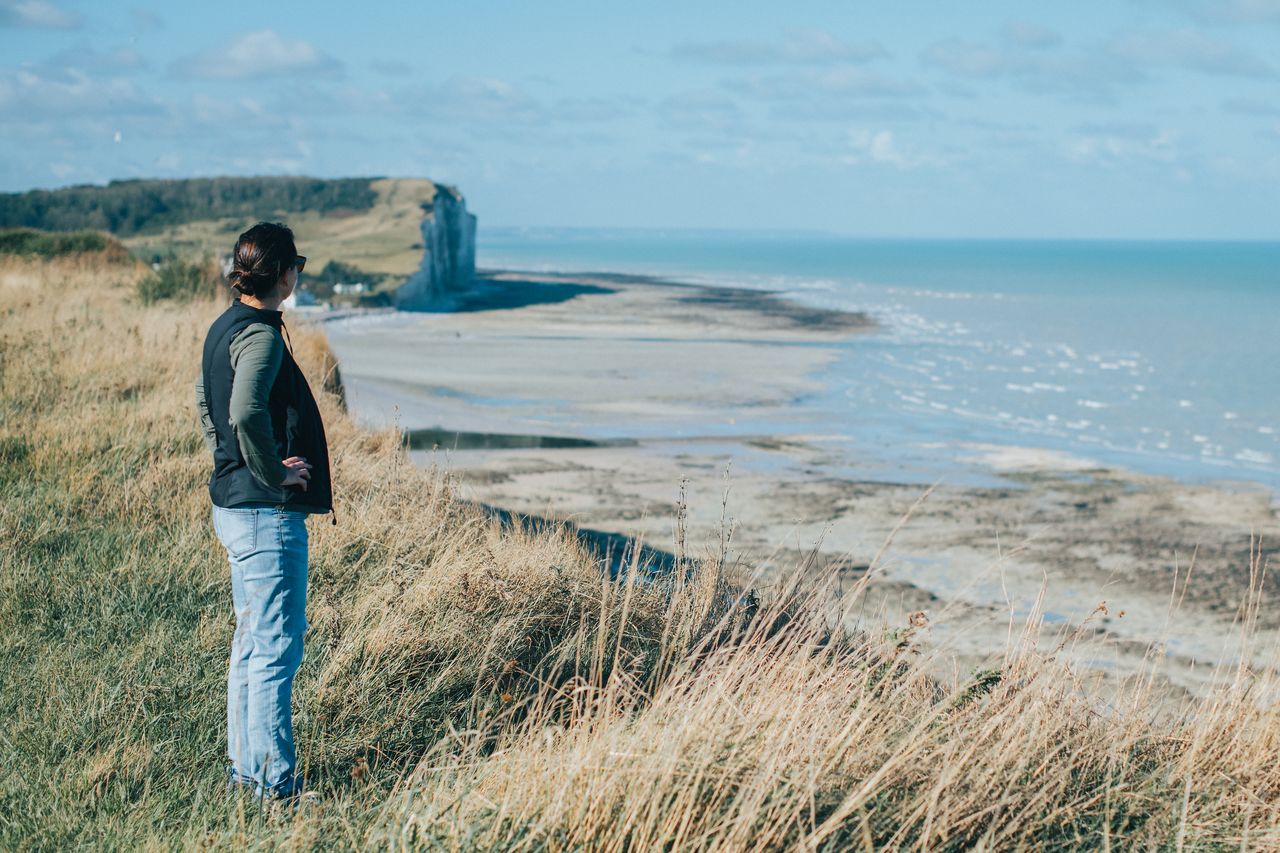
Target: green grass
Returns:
[[176, 279], [46, 244], [474, 686], [382, 238], [115, 616]]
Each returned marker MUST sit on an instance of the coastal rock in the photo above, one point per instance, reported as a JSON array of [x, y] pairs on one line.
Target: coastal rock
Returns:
[[449, 257]]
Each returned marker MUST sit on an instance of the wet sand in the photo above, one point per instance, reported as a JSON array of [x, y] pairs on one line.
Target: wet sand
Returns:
[[601, 399]]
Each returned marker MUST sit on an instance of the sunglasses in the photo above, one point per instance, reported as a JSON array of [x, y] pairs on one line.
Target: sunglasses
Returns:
[[300, 262]]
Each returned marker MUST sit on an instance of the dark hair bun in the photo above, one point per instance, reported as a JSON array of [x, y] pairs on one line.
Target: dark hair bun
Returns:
[[262, 255], [250, 282]]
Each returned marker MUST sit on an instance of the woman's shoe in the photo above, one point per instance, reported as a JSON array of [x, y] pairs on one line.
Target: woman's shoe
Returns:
[[286, 806]]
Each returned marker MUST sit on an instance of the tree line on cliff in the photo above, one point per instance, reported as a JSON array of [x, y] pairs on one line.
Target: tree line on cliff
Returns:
[[129, 207]]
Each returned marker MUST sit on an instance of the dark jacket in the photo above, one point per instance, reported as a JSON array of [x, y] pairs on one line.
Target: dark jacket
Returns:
[[295, 421]]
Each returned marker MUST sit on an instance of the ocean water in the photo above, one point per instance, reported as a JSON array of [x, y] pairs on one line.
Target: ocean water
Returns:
[[1162, 357]]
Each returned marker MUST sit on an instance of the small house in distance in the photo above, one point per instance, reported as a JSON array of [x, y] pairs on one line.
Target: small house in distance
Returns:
[[300, 298]]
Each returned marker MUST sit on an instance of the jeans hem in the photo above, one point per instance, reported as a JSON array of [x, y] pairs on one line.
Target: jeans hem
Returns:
[[279, 791]]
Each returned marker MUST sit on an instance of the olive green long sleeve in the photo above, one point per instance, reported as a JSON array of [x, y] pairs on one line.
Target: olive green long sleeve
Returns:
[[256, 355], [207, 430]]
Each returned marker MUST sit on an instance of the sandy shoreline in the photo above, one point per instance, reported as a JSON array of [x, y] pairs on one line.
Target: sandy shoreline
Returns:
[[659, 383]]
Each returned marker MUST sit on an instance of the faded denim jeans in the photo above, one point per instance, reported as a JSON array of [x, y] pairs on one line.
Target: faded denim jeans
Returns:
[[267, 549]]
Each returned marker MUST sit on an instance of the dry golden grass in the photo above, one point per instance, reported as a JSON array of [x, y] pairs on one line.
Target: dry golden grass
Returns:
[[475, 686], [381, 239]]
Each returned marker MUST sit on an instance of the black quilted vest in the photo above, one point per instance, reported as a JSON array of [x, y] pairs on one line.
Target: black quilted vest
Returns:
[[232, 483]]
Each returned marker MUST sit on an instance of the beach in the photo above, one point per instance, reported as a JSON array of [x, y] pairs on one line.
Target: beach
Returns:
[[622, 403]]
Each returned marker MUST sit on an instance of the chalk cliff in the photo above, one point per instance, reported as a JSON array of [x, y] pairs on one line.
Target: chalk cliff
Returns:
[[449, 259]]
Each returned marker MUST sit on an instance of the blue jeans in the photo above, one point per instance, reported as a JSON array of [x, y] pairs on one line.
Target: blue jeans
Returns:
[[267, 548]]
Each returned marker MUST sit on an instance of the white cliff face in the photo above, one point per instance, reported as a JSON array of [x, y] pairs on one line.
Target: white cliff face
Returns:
[[449, 260]]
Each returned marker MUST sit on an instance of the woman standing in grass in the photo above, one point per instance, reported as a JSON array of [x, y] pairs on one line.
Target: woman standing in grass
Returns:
[[270, 470]]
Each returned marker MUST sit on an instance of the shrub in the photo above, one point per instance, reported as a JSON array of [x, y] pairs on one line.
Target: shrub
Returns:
[[33, 242], [179, 280]]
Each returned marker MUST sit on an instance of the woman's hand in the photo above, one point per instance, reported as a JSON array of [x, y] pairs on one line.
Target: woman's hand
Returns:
[[299, 472]]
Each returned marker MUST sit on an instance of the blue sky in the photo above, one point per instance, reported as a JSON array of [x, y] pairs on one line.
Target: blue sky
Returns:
[[1130, 118]]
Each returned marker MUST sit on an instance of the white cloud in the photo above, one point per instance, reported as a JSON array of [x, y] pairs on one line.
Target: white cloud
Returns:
[[32, 94], [1192, 50], [483, 100], [1250, 107], [392, 67], [968, 59], [1096, 74], [1030, 35], [834, 83], [145, 20], [210, 113], [267, 165], [36, 13], [701, 112], [85, 57], [584, 110], [800, 47], [879, 147], [848, 109], [496, 104], [1234, 11], [263, 53], [832, 94], [1120, 143], [1081, 75]]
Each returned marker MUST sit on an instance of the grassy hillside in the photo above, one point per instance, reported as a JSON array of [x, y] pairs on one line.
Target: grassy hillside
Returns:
[[369, 223], [383, 238], [30, 242], [470, 686]]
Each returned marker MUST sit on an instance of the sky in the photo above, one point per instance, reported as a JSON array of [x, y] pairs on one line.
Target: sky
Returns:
[[1121, 119]]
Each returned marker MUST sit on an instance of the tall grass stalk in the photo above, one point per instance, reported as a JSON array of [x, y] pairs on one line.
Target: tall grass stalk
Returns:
[[474, 686]]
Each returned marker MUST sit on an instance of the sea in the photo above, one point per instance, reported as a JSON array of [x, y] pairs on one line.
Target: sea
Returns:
[[1159, 357]]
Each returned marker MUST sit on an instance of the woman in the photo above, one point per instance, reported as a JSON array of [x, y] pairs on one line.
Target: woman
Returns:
[[270, 470]]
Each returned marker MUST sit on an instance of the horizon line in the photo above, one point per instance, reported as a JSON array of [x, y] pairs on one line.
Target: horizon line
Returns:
[[850, 235]]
